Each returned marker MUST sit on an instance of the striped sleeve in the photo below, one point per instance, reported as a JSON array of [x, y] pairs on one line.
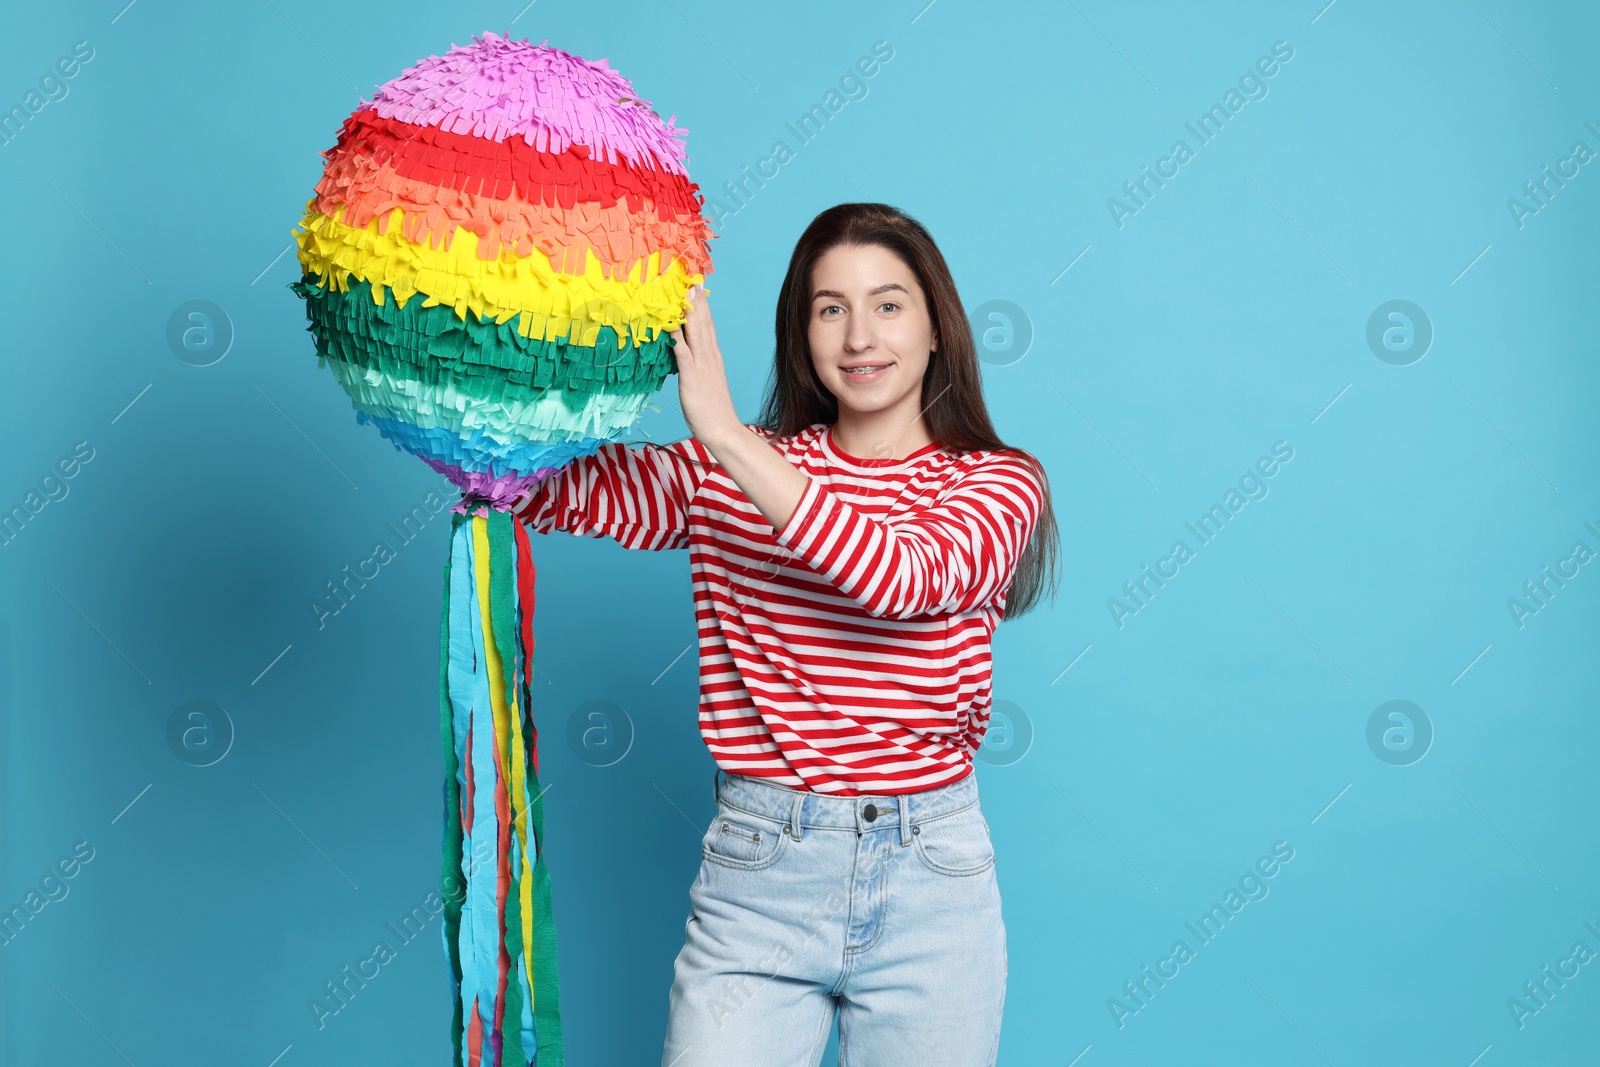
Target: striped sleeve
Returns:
[[636, 494], [955, 556]]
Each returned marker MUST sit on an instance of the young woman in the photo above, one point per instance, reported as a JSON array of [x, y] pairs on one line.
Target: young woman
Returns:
[[851, 554]]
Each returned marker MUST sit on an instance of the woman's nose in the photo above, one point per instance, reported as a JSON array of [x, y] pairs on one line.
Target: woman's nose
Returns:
[[859, 338]]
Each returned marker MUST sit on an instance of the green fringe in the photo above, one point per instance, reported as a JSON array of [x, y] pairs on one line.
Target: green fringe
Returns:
[[503, 602], [507, 413], [451, 887], [351, 326]]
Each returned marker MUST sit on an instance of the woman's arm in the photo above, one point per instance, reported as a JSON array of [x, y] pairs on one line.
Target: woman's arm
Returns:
[[636, 494], [953, 556], [771, 482]]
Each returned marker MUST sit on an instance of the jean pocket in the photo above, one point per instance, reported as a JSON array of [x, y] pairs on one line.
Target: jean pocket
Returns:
[[742, 840], [956, 845]]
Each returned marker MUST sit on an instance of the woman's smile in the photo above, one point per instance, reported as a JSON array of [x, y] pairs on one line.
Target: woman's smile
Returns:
[[865, 372]]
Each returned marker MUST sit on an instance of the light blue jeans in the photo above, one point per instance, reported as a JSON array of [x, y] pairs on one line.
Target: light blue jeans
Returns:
[[882, 908]]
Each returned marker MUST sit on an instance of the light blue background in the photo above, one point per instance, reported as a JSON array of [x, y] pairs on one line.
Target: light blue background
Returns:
[[1230, 713]]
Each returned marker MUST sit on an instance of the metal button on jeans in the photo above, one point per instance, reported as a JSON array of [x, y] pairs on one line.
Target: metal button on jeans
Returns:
[[870, 811]]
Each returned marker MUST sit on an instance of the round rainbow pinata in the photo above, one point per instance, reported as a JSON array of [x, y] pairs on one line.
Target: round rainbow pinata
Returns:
[[499, 246]]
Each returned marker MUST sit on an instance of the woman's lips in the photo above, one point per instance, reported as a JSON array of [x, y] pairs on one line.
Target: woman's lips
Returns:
[[869, 376]]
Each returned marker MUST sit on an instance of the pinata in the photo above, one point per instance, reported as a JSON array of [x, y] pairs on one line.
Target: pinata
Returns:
[[499, 246]]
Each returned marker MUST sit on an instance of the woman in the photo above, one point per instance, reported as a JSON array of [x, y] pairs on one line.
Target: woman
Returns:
[[851, 554]]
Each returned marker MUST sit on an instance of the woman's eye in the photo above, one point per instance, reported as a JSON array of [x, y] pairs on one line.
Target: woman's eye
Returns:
[[888, 304]]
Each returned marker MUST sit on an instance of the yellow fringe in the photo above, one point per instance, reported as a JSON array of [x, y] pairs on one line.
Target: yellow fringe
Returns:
[[552, 304]]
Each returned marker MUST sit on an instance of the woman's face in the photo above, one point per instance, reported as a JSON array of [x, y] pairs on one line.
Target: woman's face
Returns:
[[867, 310]]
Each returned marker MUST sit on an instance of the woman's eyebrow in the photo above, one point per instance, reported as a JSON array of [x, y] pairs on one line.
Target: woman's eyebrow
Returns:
[[880, 289]]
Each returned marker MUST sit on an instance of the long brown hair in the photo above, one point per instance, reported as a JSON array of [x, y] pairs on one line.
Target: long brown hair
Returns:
[[952, 388]]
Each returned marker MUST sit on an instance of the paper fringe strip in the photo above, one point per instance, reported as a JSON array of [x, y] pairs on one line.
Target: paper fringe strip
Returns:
[[475, 449], [511, 196], [353, 327], [498, 930], [509, 419], [551, 97], [551, 304]]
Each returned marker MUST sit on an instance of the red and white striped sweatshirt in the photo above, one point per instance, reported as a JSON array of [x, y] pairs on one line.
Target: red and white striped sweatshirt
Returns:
[[848, 652]]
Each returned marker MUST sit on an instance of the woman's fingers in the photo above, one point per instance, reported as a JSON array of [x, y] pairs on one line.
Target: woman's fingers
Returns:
[[696, 331], [697, 321]]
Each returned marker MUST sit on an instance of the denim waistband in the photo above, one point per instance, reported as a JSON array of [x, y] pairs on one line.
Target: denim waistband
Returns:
[[802, 809]]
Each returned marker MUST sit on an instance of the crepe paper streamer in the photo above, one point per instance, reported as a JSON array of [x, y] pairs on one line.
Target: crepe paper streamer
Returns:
[[552, 98], [497, 250], [352, 327], [560, 204], [507, 417], [552, 304], [499, 933]]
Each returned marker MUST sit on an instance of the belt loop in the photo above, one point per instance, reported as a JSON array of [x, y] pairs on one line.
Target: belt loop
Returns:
[[905, 819], [716, 793], [794, 816]]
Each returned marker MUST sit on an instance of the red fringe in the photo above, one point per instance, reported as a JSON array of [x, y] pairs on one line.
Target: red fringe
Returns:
[[500, 169], [525, 583]]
